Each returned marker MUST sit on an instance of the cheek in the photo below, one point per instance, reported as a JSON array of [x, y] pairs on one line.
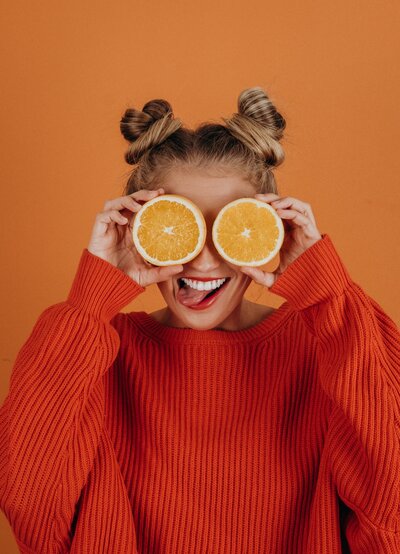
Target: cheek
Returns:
[[241, 283], [166, 287]]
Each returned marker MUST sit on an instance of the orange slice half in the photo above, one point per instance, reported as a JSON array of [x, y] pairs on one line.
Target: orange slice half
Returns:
[[248, 232], [169, 229]]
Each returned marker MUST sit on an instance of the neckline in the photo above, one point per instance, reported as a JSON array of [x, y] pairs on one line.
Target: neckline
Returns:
[[161, 332]]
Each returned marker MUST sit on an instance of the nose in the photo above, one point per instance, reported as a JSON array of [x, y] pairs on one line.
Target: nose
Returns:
[[208, 259]]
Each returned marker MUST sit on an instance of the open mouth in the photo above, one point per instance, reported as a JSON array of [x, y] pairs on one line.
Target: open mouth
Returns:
[[212, 292], [199, 299]]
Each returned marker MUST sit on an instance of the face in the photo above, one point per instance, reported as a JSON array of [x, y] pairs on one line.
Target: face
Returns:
[[210, 192]]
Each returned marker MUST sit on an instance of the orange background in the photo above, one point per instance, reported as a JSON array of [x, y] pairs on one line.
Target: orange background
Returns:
[[71, 69]]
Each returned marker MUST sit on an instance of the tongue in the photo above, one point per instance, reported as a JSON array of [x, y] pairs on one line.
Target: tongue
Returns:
[[191, 297]]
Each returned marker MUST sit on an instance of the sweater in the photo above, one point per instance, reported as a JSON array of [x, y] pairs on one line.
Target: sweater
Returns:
[[122, 435]]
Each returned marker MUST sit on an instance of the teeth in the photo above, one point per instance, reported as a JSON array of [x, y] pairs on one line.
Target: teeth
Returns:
[[202, 285]]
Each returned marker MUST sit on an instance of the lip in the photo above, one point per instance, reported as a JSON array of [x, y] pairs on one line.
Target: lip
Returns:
[[202, 278]]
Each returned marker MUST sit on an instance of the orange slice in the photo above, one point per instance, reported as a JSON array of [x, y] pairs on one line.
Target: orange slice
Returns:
[[248, 232], [169, 229]]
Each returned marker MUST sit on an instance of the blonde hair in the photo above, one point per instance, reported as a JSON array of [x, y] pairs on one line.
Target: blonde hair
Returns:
[[248, 143]]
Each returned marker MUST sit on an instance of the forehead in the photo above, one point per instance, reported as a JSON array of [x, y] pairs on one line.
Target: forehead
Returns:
[[209, 190]]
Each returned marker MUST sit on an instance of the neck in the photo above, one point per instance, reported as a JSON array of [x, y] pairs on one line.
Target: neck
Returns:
[[244, 315]]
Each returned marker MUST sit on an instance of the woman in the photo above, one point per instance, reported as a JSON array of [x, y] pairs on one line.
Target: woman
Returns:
[[232, 429]]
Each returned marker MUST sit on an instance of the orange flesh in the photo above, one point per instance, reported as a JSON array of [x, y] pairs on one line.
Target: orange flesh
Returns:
[[247, 232], [168, 231]]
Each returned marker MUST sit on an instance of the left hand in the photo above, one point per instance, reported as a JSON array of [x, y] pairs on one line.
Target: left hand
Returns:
[[300, 233]]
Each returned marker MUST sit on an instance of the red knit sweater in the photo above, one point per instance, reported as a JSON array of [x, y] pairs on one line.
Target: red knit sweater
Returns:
[[122, 435]]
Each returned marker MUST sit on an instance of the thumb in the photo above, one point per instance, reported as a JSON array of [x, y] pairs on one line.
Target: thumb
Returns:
[[259, 276], [165, 272]]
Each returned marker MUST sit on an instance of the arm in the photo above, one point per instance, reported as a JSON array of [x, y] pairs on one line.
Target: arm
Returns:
[[52, 418], [358, 353]]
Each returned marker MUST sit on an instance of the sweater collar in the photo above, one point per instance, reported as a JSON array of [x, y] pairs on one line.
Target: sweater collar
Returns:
[[184, 335]]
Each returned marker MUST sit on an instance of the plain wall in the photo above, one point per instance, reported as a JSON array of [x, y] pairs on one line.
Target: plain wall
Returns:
[[70, 69]]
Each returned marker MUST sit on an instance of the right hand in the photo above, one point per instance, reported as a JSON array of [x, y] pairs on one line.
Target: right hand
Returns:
[[112, 239]]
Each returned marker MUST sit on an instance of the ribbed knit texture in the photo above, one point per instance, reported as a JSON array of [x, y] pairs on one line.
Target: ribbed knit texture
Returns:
[[122, 435]]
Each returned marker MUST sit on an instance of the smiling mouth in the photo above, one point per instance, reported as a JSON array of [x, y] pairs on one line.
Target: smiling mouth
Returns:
[[182, 285], [194, 299]]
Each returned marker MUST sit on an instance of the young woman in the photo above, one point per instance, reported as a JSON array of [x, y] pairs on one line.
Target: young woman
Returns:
[[235, 428]]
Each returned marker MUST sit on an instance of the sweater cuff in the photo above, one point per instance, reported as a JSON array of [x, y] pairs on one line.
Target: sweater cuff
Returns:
[[101, 288], [316, 275]]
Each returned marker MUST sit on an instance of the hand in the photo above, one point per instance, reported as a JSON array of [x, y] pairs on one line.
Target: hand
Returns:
[[112, 239], [300, 233]]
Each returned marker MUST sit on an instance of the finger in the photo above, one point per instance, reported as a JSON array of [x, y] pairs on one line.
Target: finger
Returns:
[[107, 219], [267, 196], [288, 202], [145, 194], [294, 203], [126, 202], [259, 276], [299, 219], [114, 216]]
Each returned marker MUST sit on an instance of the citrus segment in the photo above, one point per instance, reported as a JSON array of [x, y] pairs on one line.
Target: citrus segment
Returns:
[[169, 229], [248, 232]]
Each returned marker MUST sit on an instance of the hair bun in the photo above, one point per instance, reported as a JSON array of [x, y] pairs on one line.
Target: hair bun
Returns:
[[258, 125], [147, 128]]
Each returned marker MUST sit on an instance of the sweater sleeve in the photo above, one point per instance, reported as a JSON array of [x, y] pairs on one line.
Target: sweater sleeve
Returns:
[[52, 417], [358, 355]]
